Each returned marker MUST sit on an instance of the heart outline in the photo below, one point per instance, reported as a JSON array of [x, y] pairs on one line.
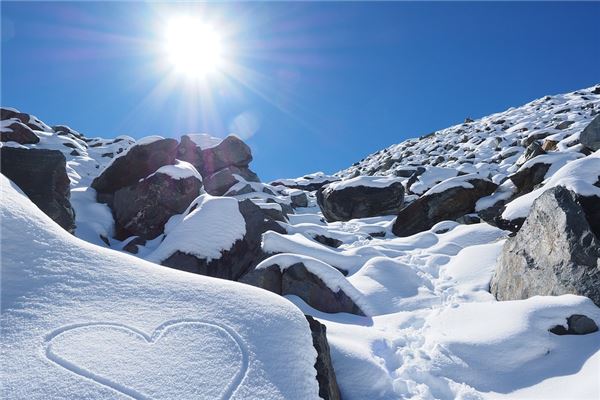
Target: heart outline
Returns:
[[149, 339]]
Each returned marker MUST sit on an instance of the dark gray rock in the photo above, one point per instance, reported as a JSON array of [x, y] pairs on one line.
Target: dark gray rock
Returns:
[[555, 252], [564, 125], [360, 201], [19, 133], [299, 199], [242, 257], [590, 136], [450, 204], [144, 208], [527, 178], [532, 151], [328, 387], [140, 161], [577, 324], [328, 241], [132, 245], [299, 281], [220, 182], [42, 176]]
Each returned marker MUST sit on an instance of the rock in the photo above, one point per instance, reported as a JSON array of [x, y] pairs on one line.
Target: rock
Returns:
[[576, 325], [328, 387], [232, 151], [220, 182], [132, 245], [526, 179], [299, 199], [346, 202], [555, 252], [19, 133], [298, 280], [532, 151], [42, 176], [328, 241], [449, 204], [469, 219], [188, 151], [590, 136], [564, 125], [143, 208], [242, 257], [140, 161], [549, 145]]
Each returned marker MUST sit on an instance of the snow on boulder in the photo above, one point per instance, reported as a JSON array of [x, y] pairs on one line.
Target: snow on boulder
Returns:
[[590, 136], [319, 284], [143, 208], [447, 200], [86, 322], [141, 160], [308, 182], [536, 170], [16, 131], [215, 236], [361, 197], [555, 252], [41, 174], [582, 176]]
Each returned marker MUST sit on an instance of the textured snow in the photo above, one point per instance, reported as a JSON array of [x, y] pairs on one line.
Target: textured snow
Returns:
[[80, 321], [180, 170], [206, 231], [367, 181]]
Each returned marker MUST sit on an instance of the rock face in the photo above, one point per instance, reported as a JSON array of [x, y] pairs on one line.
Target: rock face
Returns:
[[449, 204], [219, 163], [590, 136], [527, 178], [19, 133], [42, 176], [140, 161], [328, 387], [360, 201], [143, 208], [242, 257], [555, 252], [298, 280]]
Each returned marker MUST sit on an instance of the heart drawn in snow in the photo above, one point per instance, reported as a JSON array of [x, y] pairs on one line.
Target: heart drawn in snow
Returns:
[[181, 359]]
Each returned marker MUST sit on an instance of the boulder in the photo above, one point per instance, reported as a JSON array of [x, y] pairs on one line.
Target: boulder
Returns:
[[361, 197], [577, 324], [140, 161], [20, 133], [42, 176], [525, 179], [242, 257], [220, 182], [442, 202], [143, 208], [299, 199], [532, 151], [298, 280], [328, 387], [231, 151], [590, 136], [555, 252]]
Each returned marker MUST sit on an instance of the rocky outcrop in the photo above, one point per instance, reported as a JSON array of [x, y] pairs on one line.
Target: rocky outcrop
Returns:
[[140, 161], [343, 203], [436, 206], [218, 164], [20, 133], [328, 387], [42, 176], [298, 280], [242, 257], [590, 136], [143, 208], [555, 252]]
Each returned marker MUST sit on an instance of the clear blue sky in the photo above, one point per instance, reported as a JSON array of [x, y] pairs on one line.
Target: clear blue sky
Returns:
[[324, 84]]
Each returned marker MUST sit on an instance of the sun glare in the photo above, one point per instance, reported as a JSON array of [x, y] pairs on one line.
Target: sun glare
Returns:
[[193, 47]]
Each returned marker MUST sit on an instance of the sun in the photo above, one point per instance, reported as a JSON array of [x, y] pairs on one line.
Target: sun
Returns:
[[193, 47]]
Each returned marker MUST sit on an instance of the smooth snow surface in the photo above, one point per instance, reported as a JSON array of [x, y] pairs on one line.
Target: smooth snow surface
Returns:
[[180, 170], [366, 181], [204, 141], [210, 228], [83, 322]]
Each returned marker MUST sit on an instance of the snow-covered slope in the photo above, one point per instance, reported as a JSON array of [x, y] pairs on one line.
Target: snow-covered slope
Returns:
[[80, 321]]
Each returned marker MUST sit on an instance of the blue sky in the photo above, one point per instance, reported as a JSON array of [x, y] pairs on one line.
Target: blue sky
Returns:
[[322, 84]]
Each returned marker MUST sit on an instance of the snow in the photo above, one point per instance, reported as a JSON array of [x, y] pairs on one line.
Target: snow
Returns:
[[579, 176], [203, 140], [181, 170], [78, 319], [213, 226], [367, 181], [458, 181]]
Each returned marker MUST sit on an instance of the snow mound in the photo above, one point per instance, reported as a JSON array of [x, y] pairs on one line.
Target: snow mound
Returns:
[[210, 226], [180, 170], [95, 323], [204, 140], [366, 181]]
